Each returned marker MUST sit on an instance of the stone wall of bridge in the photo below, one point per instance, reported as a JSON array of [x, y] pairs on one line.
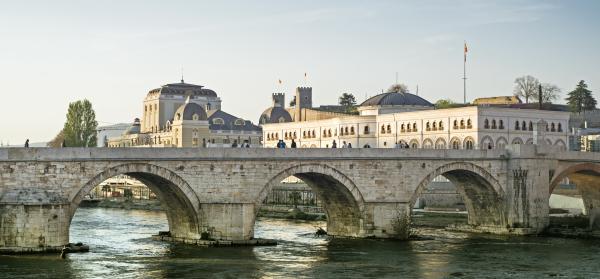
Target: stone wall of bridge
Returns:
[[364, 192]]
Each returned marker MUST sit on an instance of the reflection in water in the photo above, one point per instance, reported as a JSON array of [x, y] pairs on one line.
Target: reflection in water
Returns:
[[122, 248]]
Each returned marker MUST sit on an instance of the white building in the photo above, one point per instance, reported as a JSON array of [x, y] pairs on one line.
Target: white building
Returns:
[[405, 120]]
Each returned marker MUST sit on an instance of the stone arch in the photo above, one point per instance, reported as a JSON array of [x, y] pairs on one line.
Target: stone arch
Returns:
[[560, 143], [501, 142], [469, 143], [482, 193], [486, 143], [428, 143], [455, 143], [414, 144], [177, 196], [440, 143], [341, 199], [586, 177], [517, 140], [530, 141]]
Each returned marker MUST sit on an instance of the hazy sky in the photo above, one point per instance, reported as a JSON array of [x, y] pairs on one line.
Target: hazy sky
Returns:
[[114, 52]]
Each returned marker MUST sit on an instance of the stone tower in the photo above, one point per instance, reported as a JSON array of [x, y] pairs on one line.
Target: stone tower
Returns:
[[279, 100], [303, 101]]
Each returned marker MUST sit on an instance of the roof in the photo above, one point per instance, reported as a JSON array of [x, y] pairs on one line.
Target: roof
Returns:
[[396, 99], [229, 122], [183, 88], [273, 114], [188, 110]]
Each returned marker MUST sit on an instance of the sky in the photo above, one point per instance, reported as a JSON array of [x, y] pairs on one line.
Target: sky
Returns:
[[114, 52]]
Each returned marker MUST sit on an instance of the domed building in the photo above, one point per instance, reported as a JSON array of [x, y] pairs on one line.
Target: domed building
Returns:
[[186, 115], [404, 120], [393, 102]]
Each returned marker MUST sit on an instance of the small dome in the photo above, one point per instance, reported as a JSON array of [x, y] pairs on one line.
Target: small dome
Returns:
[[396, 99], [275, 115], [188, 110], [134, 128]]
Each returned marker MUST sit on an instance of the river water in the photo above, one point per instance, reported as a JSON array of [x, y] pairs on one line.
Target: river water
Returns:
[[121, 247]]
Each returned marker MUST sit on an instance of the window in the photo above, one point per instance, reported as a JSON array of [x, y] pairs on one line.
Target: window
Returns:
[[455, 144], [329, 133], [179, 116], [517, 125], [524, 125], [414, 127], [351, 131], [428, 126], [208, 106], [218, 121], [434, 126], [493, 123], [552, 127], [441, 127], [469, 144], [402, 129], [530, 125], [382, 129], [366, 130], [303, 134], [239, 122], [559, 127], [346, 131], [389, 129], [500, 124], [195, 116], [455, 124], [281, 119], [462, 124], [486, 124]]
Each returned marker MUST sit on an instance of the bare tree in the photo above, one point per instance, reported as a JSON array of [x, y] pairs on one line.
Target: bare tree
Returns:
[[398, 88], [526, 87], [550, 92]]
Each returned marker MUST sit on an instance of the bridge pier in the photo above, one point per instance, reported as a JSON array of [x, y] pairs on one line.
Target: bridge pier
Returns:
[[589, 187], [228, 221], [33, 221], [387, 220]]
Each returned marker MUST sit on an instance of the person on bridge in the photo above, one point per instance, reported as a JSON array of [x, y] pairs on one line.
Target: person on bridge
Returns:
[[333, 144], [281, 144], [349, 145], [344, 145], [234, 144], [293, 144], [27, 143], [367, 145]]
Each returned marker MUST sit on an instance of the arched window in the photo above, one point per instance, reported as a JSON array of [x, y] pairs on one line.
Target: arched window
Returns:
[[389, 129], [462, 124], [314, 135], [324, 133], [517, 125], [441, 126], [303, 134], [281, 119], [383, 129], [469, 144], [329, 133], [469, 124], [239, 122], [366, 130], [455, 144], [434, 126], [559, 127], [179, 116], [414, 127], [218, 121], [455, 124], [427, 126], [195, 116], [402, 129], [523, 125], [208, 106], [493, 123], [500, 124], [346, 131], [530, 125], [351, 131], [486, 124], [552, 127]]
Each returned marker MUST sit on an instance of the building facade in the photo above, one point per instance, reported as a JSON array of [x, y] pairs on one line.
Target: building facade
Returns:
[[186, 115], [403, 120]]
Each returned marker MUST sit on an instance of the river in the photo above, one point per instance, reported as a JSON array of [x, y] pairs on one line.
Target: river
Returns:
[[121, 247]]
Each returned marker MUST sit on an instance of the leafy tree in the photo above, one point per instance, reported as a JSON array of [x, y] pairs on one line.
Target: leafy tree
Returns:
[[81, 124], [550, 92], [347, 100], [526, 87], [444, 103], [581, 98], [293, 102], [57, 141], [398, 88]]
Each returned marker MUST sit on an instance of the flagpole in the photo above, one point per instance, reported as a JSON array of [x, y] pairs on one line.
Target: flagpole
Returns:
[[465, 75]]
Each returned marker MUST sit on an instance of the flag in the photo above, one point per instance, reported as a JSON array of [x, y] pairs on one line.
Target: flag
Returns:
[[466, 50], [280, 81], [305, 75]]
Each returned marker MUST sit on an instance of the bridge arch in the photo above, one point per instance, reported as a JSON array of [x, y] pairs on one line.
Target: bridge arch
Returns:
[[482, 193], [177, 197], [342, 201], [586, 177]]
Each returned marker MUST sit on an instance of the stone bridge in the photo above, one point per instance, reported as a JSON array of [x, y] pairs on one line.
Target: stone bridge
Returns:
[[365, 192]]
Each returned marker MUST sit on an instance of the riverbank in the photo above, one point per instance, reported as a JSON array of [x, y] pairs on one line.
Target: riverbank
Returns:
[[152, 205]]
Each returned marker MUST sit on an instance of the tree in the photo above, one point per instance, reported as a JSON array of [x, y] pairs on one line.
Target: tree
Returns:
[[398, 88], [581, 98], [444, 103], [550, 92], [80, 127], [293, 102], [57, 141], [348, 101], [526, 87]]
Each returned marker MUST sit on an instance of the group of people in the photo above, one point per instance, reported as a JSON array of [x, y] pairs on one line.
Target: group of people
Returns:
[[344, 144], [245, 144], [282, 144]]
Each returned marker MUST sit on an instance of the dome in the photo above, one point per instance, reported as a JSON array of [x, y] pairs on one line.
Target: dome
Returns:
[[396, 99], [183, 88], [188, 110], [134, 128], [275, 115]]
